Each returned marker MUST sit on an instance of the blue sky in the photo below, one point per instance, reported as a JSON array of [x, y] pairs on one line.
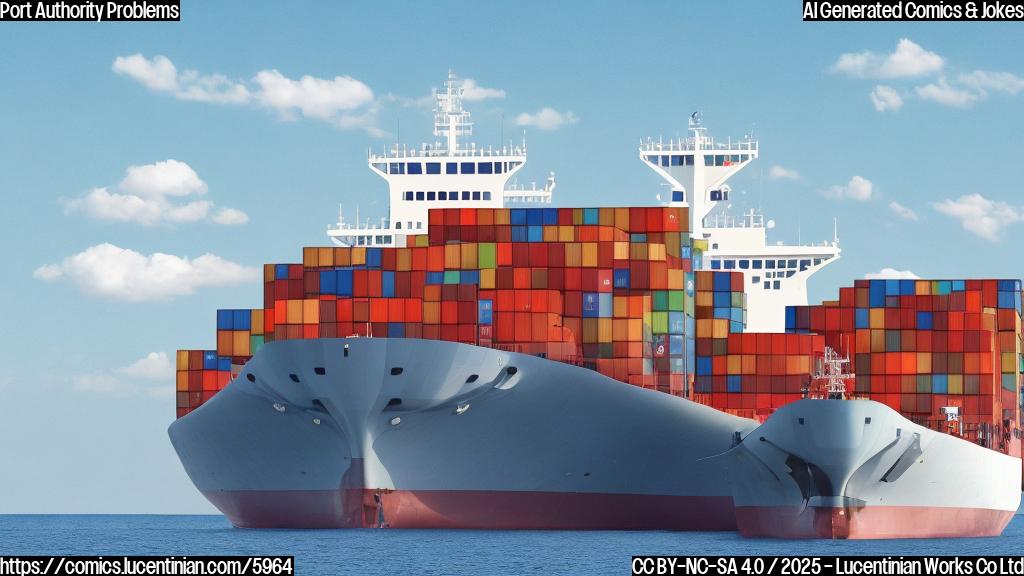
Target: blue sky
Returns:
[[926, 115]]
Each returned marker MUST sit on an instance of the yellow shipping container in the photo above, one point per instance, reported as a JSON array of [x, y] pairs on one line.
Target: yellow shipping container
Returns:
[[342, 256], [452, 256], [956, 383], [1008, 362], [878, 340], [590, 330], [573, 255], [577, 216], [621, 251], [622, 218], [501, 217], [431, 312], [257, 321], [589, 254], [719, 328], [636, 330], [606, 216], [704, 299], [876, 318], [620, 306], [734, 364], [604, 330], [676, 280], [325, 256], [468, 256], [310, 311], [550, 233], [566, 233], [310, 257], [924, 362], [294, 312], [487, 278], [181, 381], [182, 360], [358, 256], [704, 329], [240, 343], [656, 252], [404, 260], [749, 364], [269, 272]]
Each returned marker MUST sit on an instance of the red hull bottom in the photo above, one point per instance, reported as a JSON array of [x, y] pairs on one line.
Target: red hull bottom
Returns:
[[501, 510], [870, 522]]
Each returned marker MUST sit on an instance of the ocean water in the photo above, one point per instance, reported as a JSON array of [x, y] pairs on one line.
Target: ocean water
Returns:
[[432, 551]]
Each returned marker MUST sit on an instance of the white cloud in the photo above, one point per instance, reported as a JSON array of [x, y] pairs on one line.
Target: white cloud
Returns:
[[152, 375], [908, 60], [167, 178], [153, 366], [777, 172], [902, 211], [857, 188], [313, 97], [944, 93], [145, 195], [547, 119], [230, 217], [161, 75], [473, 92], [982, 81], [891, 274], [981, 216], [116, 273], [342, 101], [886, 98]]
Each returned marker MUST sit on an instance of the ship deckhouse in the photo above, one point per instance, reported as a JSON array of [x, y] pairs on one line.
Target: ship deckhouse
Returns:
[[697, 169], [448, 173]]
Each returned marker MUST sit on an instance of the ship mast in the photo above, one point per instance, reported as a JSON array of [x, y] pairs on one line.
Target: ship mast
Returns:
[[831, 378]]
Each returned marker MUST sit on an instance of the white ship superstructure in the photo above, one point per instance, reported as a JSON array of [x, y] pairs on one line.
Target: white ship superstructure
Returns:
[[448, 173], [697, 169]]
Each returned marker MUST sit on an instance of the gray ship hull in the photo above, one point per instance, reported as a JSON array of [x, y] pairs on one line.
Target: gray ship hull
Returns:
[[858, 469], [422, 434]]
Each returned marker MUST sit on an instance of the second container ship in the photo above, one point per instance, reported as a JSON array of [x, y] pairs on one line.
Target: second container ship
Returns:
[[482, 360]]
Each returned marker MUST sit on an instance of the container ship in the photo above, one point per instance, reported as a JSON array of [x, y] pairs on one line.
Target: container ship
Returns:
[[479, 359]]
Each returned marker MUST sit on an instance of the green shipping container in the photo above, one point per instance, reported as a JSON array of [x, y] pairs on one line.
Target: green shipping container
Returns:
[[487, 255]]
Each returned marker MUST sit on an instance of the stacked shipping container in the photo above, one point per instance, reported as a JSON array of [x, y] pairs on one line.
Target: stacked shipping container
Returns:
[[923, 345], [614, 290]]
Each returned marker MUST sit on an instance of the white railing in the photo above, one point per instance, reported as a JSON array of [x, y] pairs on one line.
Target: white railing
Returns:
[[438, 152], [690, 145]]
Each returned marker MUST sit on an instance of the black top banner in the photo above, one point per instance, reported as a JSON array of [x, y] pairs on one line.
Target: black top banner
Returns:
[[90, 10], [910, 10]]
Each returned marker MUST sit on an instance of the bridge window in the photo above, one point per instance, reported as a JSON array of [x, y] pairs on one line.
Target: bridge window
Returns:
[[433, 167], [755, 280], [465, 195], [442, 195], [817, 261], [487, 195], [398, 225], [792, 264], [486, 168], [396, 168], [408, 195], [804, 265], [767, 285], [652, 159], [677, 160], [744, 264], [453, 196], [775, 284], [730, 264], [468, 168], [380, 166], [664, 160], [419, 195], [409, 224], [769, 264], [415, 168], [419, 225], [716, 265], [476, 194], [431, 196], [451, 168], [497, 167], [678, 196], [790, 273], [756, 264]]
